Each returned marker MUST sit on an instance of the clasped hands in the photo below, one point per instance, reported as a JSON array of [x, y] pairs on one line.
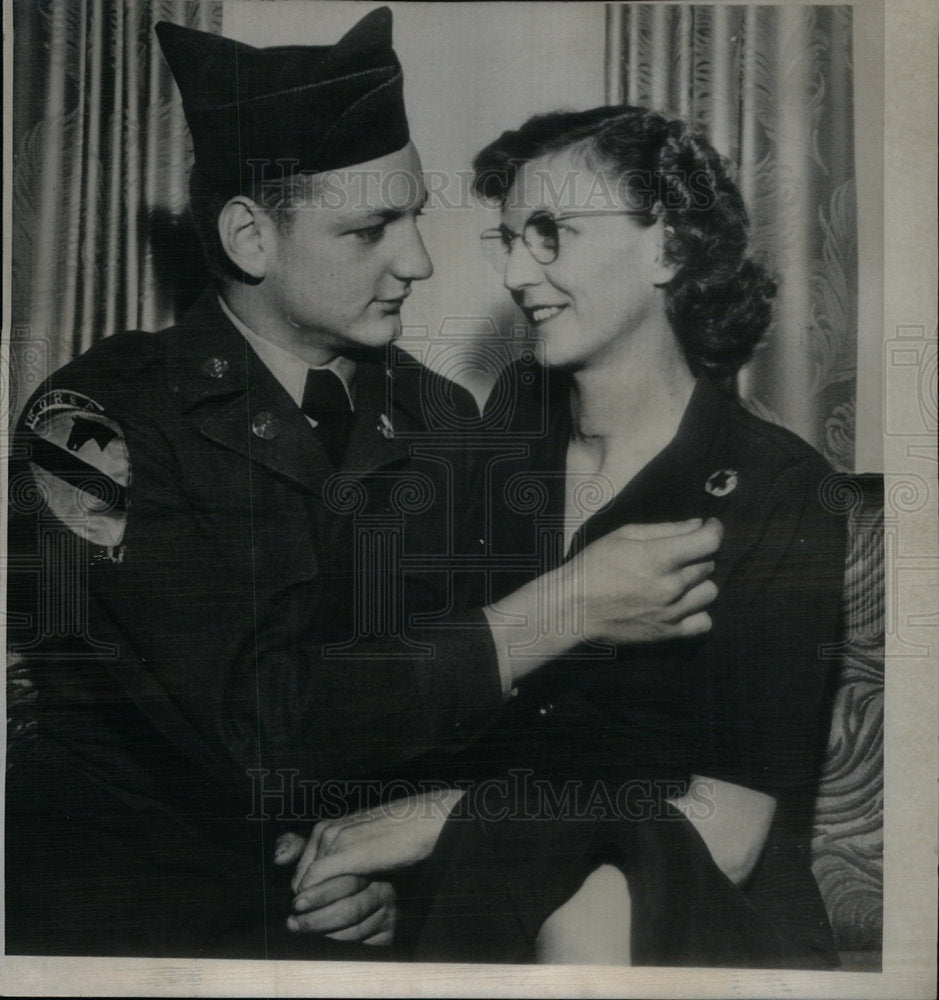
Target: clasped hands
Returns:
[[642, 583], [333, 893]]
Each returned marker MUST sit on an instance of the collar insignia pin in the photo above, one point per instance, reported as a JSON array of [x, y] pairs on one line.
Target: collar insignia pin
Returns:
[[214, 367], [384, 425], [721, 483]]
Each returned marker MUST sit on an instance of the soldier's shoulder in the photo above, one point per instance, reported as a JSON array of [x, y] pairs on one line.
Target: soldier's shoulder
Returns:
[[132, 350], [114, 372]]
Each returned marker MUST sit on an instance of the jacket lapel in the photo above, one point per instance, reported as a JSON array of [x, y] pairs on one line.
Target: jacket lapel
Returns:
[[382, 434], [671, 487], [266, 427], [223, 386], [536, 447], [237, 403], [383, 428]]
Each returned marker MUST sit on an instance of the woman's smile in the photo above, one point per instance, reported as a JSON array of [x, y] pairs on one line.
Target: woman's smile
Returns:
[[606, 280], [536, 315]]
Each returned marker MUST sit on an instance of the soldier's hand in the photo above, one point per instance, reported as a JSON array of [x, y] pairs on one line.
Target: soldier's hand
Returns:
[[347, 908], [335, 895], [646, 583], [344, 908]]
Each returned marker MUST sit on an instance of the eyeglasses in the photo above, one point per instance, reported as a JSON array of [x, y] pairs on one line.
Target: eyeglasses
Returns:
[[540, 234]]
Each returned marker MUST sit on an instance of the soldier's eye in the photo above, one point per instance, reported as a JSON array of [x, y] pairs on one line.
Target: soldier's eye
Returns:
[[370, 234]]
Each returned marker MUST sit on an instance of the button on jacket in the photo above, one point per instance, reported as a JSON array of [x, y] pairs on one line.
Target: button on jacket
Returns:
[[219, 625]]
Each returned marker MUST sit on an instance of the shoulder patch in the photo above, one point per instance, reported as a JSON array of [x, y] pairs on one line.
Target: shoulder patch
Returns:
[[59, 400], [81, 465]]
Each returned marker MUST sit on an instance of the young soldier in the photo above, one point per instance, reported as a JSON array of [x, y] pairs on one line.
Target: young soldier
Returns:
[[192, 518]]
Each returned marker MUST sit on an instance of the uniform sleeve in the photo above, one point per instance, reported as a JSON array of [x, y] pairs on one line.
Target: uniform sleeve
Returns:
[[760, 692], [223, 640]]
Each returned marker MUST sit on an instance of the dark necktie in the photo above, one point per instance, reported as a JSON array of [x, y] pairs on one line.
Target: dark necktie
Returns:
[[326, 401]]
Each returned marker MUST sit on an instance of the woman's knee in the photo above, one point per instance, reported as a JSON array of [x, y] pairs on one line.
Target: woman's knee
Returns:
[[593, 926]]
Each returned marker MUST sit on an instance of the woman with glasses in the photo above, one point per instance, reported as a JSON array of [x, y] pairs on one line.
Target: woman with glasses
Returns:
[[654, 803]]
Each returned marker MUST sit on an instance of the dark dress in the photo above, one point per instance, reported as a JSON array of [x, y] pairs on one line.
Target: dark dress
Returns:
[[593, 745]]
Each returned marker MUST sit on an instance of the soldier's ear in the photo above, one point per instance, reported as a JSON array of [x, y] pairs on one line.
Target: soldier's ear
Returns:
[[247, 235]]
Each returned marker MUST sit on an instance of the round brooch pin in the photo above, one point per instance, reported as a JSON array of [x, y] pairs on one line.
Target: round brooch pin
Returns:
[[721, 483]]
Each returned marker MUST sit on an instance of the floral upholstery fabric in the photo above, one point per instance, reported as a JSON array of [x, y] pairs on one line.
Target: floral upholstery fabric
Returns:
[[847, 847]]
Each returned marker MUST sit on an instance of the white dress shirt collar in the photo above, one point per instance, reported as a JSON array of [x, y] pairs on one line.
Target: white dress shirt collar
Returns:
[[289, 369]]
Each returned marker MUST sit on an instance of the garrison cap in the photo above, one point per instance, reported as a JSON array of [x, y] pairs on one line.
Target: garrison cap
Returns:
[[322, 107]]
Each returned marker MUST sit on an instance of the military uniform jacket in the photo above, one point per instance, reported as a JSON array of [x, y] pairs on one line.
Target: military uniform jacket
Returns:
[[222, 630]]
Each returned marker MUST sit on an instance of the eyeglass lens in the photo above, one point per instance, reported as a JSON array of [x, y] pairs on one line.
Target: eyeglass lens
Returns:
[[540, 235]]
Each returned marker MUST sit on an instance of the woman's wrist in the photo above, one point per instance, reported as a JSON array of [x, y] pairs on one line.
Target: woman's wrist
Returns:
[[533, 624]]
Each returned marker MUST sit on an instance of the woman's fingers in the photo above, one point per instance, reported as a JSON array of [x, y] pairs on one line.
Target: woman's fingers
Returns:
[[329, 891], [307, 858], [357, 860], [384, 938], [322, 840], [379, 923], [401, 834], [350, 830], [288, 848], [346, 913]]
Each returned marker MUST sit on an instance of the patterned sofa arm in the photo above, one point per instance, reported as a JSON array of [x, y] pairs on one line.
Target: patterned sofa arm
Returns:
[[847, 844]]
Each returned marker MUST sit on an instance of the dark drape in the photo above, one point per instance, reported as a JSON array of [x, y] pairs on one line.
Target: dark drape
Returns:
[[772, 86], [100, 158]]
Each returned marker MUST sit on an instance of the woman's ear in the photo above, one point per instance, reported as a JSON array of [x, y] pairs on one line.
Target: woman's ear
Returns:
[[247, 235], [662, 233]]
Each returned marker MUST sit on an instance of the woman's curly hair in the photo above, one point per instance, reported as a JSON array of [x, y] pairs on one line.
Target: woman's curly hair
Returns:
[[719, 302]]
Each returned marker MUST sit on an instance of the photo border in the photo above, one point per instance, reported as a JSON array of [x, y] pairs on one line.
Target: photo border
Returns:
[[910, 835]]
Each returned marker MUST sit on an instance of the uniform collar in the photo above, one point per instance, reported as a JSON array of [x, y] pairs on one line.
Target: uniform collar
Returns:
[[288, 368], [208, 357], [216, 377]]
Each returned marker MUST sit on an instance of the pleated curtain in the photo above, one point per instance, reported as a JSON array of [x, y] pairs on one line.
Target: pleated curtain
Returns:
[[100, 158], [772, 87]]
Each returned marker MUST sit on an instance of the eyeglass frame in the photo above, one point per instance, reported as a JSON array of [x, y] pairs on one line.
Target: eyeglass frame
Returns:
[[500, 232]]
